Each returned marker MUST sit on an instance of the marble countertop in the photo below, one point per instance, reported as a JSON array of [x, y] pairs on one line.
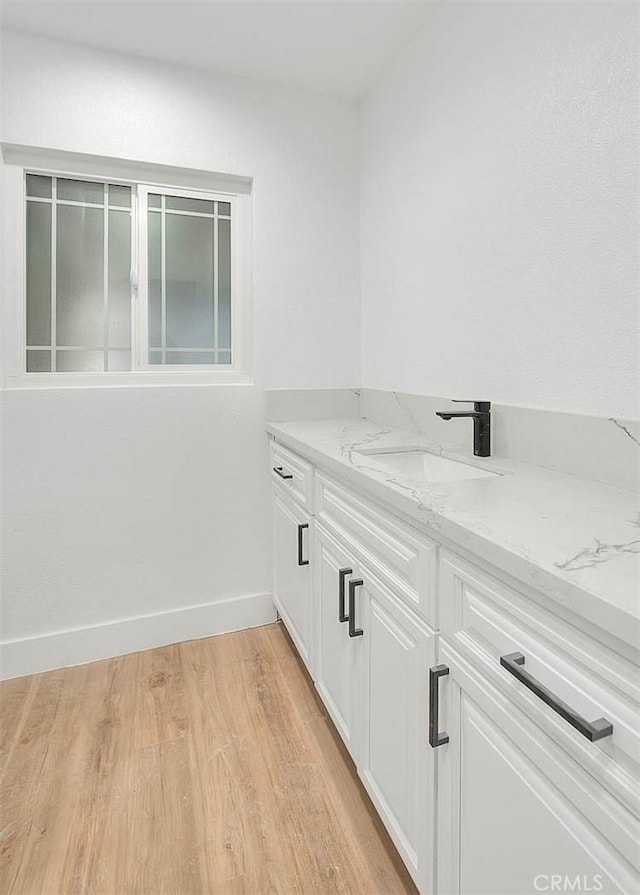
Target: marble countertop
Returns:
[[574, 540]]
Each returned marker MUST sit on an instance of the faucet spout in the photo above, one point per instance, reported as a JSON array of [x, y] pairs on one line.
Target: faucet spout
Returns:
[[471, 414], [481, 416]]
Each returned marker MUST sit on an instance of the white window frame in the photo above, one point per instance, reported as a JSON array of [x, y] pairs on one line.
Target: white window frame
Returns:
[[91, 168]]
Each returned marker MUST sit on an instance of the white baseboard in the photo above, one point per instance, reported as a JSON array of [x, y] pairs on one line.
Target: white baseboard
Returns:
[[131, 635]]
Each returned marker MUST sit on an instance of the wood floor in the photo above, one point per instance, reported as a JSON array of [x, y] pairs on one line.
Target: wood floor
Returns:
[[204, 767]]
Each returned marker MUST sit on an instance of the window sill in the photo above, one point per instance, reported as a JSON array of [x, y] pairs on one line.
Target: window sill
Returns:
[[28, 381]]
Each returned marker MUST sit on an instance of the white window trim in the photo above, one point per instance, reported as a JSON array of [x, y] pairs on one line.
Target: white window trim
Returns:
[[234, 189]]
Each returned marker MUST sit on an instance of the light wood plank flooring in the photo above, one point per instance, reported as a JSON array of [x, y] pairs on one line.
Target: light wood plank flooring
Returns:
[[203, 767]]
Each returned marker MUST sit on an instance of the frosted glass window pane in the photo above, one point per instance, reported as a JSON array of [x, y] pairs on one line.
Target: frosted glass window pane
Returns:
[[38, 361], [80, 361], [180, 204], [190, 357], [185, 285], [38, 273], [119, 361], [154, 200], [119, 283], [224, 284], [80, 276], [155, 274], [81, 191], [224, 208], [38, 186], [189, 284], [120, 195]]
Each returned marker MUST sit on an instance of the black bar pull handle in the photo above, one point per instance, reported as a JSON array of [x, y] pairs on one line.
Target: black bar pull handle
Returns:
[[301, 561], [592, 730], [279, 470], [353, 631], [435, 737], [342, 574]]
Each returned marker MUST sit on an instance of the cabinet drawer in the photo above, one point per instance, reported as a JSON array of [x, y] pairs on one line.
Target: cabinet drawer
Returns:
[[293, 473], [402, 556], [487, 620]]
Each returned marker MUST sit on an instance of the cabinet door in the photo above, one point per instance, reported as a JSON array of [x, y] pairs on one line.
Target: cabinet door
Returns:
[[292, 580], [507, 817], [338, 667], [397, 765]]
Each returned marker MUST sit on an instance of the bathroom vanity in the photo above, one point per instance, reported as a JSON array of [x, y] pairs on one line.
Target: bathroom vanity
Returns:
[[472, 627]]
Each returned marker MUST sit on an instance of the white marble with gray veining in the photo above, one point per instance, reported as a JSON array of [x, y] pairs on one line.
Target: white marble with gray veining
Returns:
[[605, 449], [599, 448], [575, 540]]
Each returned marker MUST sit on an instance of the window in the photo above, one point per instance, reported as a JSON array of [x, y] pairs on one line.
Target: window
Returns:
[[188, 279], [91, 307]]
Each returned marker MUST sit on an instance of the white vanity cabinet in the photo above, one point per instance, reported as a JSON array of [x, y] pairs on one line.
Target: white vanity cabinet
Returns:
[[339, 658], [375, 605], [498, 742], [525, 800], [514, 811], [372, 658], [395, 762], [292, 539]]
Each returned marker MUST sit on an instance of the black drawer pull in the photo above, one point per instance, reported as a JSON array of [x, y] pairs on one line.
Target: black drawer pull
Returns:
[[342, 574], [279, 470], [301, 561], [592, 730], [353, 631], [435, 737]]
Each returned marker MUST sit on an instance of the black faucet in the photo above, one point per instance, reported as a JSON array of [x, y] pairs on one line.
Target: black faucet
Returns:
[[481, 416]]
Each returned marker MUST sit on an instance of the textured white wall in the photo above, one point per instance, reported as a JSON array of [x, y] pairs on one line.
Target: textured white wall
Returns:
[[121, 502], [119, 505], [499, 216]]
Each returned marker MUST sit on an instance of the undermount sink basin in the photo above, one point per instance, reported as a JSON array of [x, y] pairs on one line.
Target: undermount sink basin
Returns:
[[422, 464]]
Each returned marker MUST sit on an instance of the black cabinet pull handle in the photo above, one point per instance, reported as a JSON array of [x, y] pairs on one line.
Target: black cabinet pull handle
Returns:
[[342, 574], [279, 470], [353, 631], [301, 561], [435, 737], [592, 730]]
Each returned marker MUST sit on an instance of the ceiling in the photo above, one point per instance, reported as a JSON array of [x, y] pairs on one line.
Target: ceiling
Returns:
[[336, 47]]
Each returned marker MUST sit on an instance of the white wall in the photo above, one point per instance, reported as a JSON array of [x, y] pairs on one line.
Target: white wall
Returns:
[[300, 147], [499, 216], [124, 502]]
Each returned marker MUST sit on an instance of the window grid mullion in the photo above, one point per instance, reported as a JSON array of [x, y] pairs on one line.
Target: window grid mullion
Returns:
[[135, 310], [215, 286], [182, 213], [79, 348], [54, 272], [42, 200], [206, 348], [105, 243], [163, 277]]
